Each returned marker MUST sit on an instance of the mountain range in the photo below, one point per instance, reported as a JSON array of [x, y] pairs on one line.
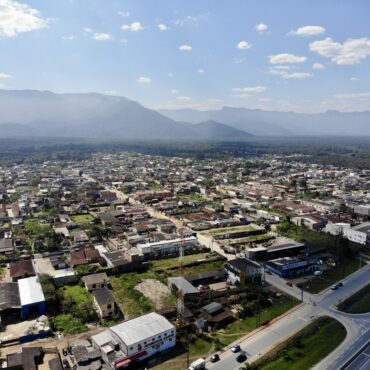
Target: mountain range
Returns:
[[275, 123], [29, 113], [91, 115]]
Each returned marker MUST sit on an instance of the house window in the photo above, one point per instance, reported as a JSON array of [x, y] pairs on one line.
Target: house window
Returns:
[[109, 305], [131, 348], [94, 285]]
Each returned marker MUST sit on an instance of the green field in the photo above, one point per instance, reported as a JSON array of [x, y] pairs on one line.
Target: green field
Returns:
[[358, 303], [305, 349], [233, 229], [82, 219], [173, 262], [317, 284], [68, 324]]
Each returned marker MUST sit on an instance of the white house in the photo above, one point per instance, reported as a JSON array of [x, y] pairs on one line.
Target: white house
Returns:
[[135, 340]]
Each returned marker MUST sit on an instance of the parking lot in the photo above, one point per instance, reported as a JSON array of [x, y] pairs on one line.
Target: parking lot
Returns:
[[361, 361]]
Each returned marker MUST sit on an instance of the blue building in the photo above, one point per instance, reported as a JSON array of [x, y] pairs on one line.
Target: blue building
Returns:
[[289, 267], [31, 297]]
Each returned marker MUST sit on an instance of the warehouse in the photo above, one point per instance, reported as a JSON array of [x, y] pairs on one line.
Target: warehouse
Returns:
[[135, 340], [31, 296]]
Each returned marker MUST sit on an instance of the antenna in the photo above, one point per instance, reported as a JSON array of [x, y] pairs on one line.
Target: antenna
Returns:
[[180, 300]]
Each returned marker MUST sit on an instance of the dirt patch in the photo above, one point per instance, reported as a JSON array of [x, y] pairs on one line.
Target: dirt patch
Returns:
[[156, 291]]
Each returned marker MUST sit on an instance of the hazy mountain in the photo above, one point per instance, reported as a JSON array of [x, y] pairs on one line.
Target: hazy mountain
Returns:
[[272, 123], [43, 113], [214, 130]]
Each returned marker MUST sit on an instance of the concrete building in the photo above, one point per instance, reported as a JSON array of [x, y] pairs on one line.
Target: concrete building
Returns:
[[241, 270], [359, 234], [31, 296], [336, 228], [95, 281], [166, 247], [134, 340], [105, 302]]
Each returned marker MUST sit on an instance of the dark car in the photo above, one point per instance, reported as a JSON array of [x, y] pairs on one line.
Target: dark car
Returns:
[[215, 358], [340, 284], [66, 364], [65, 351], [241, 357]]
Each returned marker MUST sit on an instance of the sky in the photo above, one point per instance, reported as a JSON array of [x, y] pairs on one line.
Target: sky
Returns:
[[287, 55]]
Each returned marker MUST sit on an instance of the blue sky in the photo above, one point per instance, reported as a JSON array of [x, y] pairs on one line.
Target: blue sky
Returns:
[[279, 55]]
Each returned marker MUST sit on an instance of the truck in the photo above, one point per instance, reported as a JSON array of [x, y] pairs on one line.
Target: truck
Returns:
[[199, 364]]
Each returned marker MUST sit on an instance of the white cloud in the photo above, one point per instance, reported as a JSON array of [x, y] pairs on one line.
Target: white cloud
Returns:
[[170, 74], [17, 17], [144, 80], [244, 45], [185, 48], [124, 14], [175, 92], [183, 98], [353, 95], [297, 75], [250, 89], [88, 30], [162, 27], [318, 66], [308, 31], [261, 27], [201, 71], [286, 58], [352, 51], [5, 75], [191, 20], [354, 79], [69, 38], [101, 36], [133, 27]]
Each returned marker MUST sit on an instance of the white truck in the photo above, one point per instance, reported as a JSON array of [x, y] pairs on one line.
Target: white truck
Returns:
[[199, 364]]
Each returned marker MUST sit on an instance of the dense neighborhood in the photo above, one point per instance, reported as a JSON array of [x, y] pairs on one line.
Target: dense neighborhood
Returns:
[[132, 260]]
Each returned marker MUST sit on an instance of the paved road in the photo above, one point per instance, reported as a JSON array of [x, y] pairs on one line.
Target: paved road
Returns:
[[262, 341], [361, 361]]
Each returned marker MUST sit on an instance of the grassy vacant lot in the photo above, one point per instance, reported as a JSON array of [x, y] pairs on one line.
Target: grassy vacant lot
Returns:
[[244, 326], [317, 284], [174, 262], [69, 324], [233, 229], [306, 348], [82, 219], [133, 302], [358, 303]]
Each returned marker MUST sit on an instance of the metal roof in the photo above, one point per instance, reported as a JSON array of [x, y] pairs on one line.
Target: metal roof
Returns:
[[30, 291], [141, 328]]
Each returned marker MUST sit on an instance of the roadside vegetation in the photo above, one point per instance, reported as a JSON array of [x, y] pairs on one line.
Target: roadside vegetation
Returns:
[[357, 303], [305, 349]]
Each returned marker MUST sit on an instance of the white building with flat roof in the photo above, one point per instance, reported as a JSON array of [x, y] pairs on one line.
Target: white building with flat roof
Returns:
[[135, 339], [359, 233], [31, 296]]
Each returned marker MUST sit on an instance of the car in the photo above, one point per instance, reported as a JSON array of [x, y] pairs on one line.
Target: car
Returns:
[[289, 283], [65, 351], [241, 357], [340, 285], [66, 364], [334, 287], [215, 357], [235, 348]]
